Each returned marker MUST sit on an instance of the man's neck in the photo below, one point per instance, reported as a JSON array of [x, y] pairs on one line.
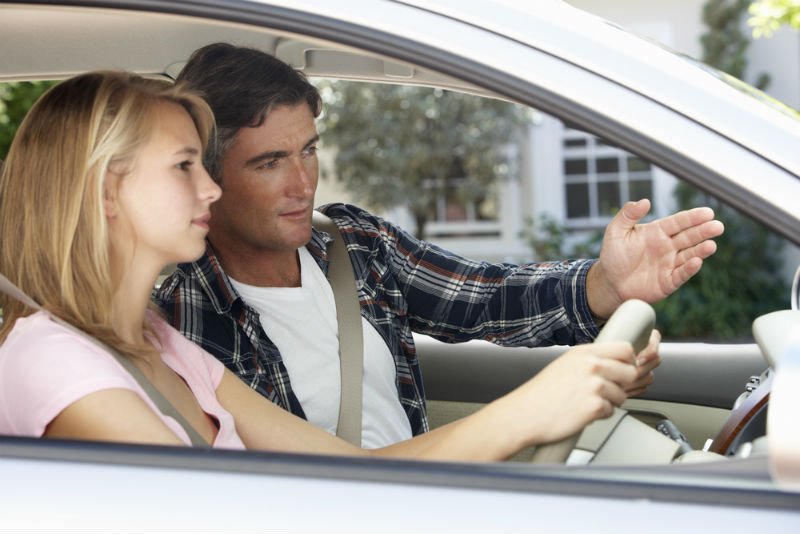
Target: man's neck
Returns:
[[260, 268]]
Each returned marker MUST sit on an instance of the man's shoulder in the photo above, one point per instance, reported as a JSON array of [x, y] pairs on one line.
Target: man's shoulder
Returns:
[[357, 221], [349, 213]]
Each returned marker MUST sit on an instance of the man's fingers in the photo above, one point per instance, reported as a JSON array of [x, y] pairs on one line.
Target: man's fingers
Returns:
[[702, 250], [627, 217], [680, 275], [678, 222], [692, 236], [634, 211]]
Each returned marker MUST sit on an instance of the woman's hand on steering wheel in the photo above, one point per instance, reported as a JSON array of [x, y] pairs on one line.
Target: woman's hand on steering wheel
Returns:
[[582, 385], [646, 361]]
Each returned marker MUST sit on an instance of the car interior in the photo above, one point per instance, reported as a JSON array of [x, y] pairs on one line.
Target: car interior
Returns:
[[708, 404]]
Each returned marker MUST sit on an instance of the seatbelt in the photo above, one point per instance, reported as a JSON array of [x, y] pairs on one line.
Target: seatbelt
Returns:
[[161, 402], [342, 278]]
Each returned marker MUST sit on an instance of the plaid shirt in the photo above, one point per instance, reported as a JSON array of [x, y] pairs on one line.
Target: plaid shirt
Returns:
[[404, 285]]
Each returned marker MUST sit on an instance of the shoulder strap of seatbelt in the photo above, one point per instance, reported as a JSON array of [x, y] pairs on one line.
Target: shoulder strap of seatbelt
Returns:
[[155, 395], [351, 345]]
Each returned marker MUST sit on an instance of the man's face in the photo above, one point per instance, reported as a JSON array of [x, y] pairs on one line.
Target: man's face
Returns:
[[269, 177]]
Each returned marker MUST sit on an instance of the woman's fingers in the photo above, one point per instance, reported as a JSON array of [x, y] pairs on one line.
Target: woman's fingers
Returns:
[[584, 384], [640, 386], [646, 362]]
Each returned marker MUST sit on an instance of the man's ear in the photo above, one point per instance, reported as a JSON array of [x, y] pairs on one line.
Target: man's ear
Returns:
[[110, 195]]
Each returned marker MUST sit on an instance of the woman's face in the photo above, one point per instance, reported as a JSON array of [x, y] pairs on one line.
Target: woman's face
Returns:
[[163, 205]]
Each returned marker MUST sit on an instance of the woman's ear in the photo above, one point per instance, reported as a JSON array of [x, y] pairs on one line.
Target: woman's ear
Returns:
[[110, 195]]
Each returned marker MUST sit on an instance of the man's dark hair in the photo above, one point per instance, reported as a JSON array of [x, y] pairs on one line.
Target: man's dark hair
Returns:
[[242, 85]]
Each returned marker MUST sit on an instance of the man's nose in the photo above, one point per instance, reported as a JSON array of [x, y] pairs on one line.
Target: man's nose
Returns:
[[303, 181]]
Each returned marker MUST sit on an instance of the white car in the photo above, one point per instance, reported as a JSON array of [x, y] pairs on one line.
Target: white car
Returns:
[[715, 133]]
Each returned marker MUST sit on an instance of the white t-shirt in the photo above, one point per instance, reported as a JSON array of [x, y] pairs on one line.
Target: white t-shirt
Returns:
[[301, 321]]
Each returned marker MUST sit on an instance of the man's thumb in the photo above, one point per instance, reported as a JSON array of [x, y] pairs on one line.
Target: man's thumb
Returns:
[[632, 212]]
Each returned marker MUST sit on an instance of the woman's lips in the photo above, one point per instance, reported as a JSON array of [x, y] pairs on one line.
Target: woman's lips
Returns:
[[202, 221]]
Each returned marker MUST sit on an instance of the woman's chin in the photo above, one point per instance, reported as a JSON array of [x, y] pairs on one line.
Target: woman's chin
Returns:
[[189, 255]]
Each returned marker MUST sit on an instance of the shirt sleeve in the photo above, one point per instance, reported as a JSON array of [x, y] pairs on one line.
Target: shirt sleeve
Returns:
[[456, 299], [44, 368]]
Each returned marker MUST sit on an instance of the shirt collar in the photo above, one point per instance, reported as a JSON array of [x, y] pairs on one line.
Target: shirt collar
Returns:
[[223, 296], [215, 282]]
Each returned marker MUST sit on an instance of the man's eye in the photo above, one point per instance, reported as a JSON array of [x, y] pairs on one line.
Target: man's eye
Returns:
[[310, 151], [271, 164]]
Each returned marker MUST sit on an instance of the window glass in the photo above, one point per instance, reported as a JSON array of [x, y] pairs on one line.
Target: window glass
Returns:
[[577, 200], [641, 189], [607, 165], [547, 192], [576, 166], [569, 143], [608, 196]]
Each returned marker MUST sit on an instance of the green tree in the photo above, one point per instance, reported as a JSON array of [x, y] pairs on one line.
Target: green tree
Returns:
[[767, 16], [740, 282], [403, 145], [15, 100], [749, 256], [725, 43]]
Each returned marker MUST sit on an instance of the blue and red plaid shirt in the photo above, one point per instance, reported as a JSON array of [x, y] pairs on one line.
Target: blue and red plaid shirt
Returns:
[[405, 285]]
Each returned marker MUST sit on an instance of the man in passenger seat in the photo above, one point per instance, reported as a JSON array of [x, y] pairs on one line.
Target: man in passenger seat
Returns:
[[259, 299]]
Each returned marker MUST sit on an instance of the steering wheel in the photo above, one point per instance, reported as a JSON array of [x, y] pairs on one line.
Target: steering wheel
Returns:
[[632, 321]]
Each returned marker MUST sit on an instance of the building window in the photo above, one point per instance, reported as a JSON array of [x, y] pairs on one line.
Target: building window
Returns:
[[599, 178], [455, 214]]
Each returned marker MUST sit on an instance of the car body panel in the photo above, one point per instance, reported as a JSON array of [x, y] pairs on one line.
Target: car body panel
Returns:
[[154, 488]]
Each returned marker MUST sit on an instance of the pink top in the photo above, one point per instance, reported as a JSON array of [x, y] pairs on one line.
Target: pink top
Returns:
[[45, 367]]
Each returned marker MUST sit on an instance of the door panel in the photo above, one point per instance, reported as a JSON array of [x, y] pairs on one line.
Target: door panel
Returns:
[[692, 373], [695, 387]]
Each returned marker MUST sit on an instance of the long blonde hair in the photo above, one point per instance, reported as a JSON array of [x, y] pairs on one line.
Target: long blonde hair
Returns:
[[54, 241]]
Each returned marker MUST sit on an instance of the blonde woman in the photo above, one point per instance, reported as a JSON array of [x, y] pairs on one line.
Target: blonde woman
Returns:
[[102, 189]]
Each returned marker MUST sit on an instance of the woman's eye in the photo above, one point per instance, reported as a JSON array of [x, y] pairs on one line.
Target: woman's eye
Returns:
[[184, 165]]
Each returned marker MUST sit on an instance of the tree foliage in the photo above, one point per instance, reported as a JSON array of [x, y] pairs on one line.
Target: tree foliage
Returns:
[[401, 145], [767, 16], [15, 100], [724, 44], [737, 284]]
